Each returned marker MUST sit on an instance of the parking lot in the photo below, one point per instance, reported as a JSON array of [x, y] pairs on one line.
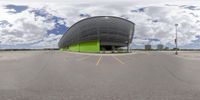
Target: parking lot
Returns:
[[59, 75]]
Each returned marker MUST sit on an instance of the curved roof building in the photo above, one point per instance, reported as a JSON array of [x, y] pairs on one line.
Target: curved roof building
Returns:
[[98, 33]]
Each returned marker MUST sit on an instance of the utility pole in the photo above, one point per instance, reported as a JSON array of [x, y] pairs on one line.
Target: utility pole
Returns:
[[176, 40], [0, 45]]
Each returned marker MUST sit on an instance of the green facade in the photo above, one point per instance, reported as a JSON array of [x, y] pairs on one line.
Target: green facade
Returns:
[[74, 47], [90, 46]]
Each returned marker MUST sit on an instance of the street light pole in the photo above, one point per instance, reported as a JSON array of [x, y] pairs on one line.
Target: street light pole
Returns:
[[0, 45], [176, 41]]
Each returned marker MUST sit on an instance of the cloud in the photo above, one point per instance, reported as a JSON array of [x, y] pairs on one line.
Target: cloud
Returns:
[[163, 28], [4, 24], [16, 8], [30, 29], [190, 7], [51, 41], [60, 24], [38, 24]]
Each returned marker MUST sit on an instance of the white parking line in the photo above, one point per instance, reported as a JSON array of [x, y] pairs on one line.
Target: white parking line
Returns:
[[99, 60], [118, 60]]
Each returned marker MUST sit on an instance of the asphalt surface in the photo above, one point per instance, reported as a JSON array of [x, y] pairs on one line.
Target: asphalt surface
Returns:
[[56, 75]]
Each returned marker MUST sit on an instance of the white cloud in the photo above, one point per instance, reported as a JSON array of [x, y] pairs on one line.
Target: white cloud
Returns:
[[164, 28], [26, 28], [157, 21], [48, 42]]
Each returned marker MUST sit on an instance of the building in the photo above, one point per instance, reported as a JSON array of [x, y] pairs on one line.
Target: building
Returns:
[[95, 34], [160, 47], [147, 47]]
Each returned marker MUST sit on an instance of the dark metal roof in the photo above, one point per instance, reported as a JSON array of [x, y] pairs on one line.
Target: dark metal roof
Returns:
[[108, 29]]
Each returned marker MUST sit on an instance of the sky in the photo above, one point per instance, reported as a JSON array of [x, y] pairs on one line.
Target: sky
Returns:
[[41, 23]]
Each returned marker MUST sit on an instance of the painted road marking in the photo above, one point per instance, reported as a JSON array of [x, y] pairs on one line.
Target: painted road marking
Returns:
[[99, 60], [118, 60], [84, 58]]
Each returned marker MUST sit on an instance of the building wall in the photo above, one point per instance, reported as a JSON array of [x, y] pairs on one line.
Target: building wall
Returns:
[[74, 47], [90, 46]]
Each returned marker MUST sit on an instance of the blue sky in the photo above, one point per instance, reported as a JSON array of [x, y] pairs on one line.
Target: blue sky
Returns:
[[40, 24], [16, 8]]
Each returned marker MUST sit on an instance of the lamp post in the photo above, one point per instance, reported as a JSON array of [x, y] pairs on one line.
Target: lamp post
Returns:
[[176, 41]]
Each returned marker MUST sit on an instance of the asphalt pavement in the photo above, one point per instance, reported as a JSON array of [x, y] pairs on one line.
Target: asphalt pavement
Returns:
[[58, 75]]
